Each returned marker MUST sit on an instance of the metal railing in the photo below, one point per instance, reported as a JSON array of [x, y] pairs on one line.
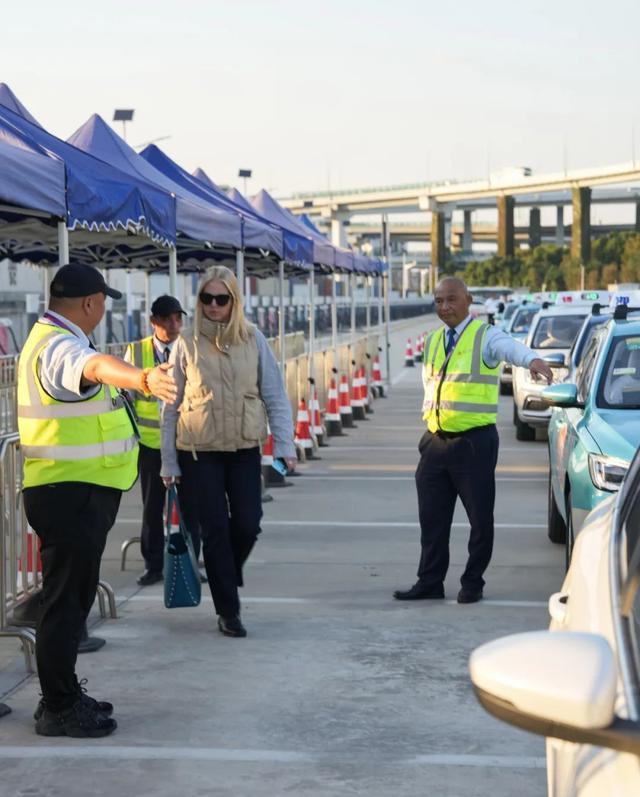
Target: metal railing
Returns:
[[8, 395], [19, 573]]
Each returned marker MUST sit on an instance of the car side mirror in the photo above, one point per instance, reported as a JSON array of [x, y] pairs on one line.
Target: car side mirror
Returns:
[[559, 684], [562, 395], [555, 360]]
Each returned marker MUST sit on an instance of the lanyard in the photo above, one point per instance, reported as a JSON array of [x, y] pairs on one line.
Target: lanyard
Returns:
[[59, 323]]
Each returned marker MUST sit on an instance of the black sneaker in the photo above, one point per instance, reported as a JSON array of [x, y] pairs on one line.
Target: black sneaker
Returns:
[[231, 626], [79, 722], [150, 577], [101, 706]]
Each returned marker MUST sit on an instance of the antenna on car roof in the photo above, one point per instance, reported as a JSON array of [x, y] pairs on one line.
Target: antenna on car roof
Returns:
[[622, 310], [595, 308], [545, 305]]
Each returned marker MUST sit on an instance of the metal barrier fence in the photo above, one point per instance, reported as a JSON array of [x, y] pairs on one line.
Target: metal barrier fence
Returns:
[[8, 397], [19, 573]]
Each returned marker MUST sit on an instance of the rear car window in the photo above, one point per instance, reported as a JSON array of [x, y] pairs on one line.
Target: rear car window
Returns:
[[523, 318], [557, 331]]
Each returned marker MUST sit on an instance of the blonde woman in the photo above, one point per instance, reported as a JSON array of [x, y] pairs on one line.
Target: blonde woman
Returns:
[[228, 384]]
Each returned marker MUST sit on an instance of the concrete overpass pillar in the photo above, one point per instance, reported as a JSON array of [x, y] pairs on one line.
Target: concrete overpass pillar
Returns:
[[438, 247], [560, 225], [637, 224], [506, 238], [339, 230], [467, 233], [581, 228], [535, 232]]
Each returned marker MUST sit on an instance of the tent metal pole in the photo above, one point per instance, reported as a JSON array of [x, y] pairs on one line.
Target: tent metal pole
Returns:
[[387, 330], [312, 322], [173, 270], [281, 330], [334, 320], [380, 280], [129, 299], [240, 268], [63, 244], [353, 281], [367, 288], [147, 302], [102, 327], [45, 287]]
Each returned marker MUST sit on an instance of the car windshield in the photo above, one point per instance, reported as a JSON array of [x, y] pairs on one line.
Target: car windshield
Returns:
[[580, 346], [557, 331], [509, 310], [620, 380], [522, 319]]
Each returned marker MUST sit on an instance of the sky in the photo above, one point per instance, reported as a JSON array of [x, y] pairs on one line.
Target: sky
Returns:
[[332, 95]]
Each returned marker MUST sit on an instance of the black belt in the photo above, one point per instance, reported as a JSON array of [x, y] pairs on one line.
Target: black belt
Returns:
[[450, 435]]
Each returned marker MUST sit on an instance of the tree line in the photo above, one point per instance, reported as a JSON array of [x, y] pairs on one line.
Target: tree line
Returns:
[[615, 257]]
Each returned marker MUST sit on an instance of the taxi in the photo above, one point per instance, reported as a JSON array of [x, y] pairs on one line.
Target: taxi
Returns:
[[594, 430], [517, 325]]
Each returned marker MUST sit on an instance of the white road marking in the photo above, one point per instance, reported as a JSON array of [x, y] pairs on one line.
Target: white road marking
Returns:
[[391, 524], [327, 477], [219, 754]]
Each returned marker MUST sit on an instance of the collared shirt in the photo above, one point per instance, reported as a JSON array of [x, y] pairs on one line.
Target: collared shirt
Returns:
[[499, 347], [160, 348], [62, 362]]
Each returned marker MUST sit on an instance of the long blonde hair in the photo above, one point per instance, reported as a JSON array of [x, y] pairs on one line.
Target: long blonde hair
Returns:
[[238, 327]]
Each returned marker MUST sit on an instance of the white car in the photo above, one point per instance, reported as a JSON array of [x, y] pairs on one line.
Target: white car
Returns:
[[578, 684], [552, 333]]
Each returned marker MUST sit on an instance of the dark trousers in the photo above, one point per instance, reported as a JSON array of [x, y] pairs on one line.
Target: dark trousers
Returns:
[[153, 498], [221, 491], [449, 467], [72, 521]]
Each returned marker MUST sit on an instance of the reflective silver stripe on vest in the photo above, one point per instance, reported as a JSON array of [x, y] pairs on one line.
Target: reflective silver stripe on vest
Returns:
[[69, 409], [137, 354], [149, 423], [476, 357], [482, 379], [468, 406], [91, 451]]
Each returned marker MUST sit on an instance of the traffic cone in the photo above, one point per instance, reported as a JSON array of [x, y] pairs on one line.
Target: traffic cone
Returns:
[[270, 475], [377, 383], [332, 415], [408, 355], [357, 397], [317, 429], [417, 356], [346, 413], [303, 431], [364, 387]]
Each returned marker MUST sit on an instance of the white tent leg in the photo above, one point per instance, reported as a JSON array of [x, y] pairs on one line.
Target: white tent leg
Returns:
[[334, 319], [281, 328], [173, 271], [312, 322]]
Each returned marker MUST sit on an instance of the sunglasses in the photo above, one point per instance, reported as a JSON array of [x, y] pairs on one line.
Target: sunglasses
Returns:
[[222, 299]]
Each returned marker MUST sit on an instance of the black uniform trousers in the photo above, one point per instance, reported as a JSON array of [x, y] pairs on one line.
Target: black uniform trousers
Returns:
[[453, 465], [153, 498], [222, 493], [72, 520]]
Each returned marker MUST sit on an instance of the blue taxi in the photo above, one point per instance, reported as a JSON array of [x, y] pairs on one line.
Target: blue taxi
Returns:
[[594, 430]]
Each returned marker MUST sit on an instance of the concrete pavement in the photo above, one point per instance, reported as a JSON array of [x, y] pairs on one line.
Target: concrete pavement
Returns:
[[338, 689]]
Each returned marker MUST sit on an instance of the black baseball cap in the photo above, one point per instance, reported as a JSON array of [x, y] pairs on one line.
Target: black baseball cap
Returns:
[[77, 279], [165, 306]]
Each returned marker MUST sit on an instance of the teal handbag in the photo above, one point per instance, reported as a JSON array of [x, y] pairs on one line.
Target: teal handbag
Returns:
[[181, 574]]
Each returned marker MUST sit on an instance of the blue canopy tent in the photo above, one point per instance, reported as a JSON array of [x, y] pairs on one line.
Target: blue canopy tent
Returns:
[[257, 233], [106, 217]]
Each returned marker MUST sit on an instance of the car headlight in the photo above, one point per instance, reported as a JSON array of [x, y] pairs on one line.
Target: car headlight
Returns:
[[607, 473]]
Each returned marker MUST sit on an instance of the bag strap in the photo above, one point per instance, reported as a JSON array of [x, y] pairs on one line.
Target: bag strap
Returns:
[[172, 500]]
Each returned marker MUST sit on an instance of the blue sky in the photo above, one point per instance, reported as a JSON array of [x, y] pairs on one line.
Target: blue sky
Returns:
[[339, 93]]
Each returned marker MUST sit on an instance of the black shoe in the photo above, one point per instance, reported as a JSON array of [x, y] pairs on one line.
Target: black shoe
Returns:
[[419, 593], [231, 626], [469, 595], [80, 722], [100, 706], [150, 577]]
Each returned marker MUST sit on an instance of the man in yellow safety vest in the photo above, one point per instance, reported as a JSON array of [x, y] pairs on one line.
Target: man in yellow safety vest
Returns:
[[79, 443], [166, 322], [459, 450]]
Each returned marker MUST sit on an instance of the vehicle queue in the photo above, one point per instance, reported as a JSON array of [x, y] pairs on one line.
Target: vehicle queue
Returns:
[[580, 688]]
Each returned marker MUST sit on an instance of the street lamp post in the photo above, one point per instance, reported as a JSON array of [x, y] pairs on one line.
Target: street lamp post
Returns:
[[245, 174], [123, 115]]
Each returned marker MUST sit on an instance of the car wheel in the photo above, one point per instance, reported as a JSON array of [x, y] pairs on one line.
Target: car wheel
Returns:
[[557, 529], [523, 430], [570, 537]]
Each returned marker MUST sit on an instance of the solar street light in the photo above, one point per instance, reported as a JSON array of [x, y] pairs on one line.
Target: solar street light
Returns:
[[123, 115], [245, 174]]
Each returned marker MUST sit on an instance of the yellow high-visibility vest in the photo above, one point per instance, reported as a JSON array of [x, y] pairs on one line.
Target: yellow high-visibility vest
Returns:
[[464, 394], [147, 407], [91, 440]]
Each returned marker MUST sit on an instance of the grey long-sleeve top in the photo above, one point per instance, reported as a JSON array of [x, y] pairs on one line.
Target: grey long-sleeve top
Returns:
[[272, 392]]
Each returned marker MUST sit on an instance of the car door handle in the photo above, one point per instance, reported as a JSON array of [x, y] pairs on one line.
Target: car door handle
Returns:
[[558, 604]]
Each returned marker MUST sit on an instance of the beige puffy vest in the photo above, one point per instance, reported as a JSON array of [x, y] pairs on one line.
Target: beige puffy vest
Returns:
[[222, 409]]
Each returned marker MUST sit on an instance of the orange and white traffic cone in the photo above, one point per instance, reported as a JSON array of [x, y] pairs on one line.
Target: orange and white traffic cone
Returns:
[[317, 429], [376, 382], [272, 478], [346, 413], [332, 415], [357, 397], [303, 432], [33, 565], [408, 355]]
